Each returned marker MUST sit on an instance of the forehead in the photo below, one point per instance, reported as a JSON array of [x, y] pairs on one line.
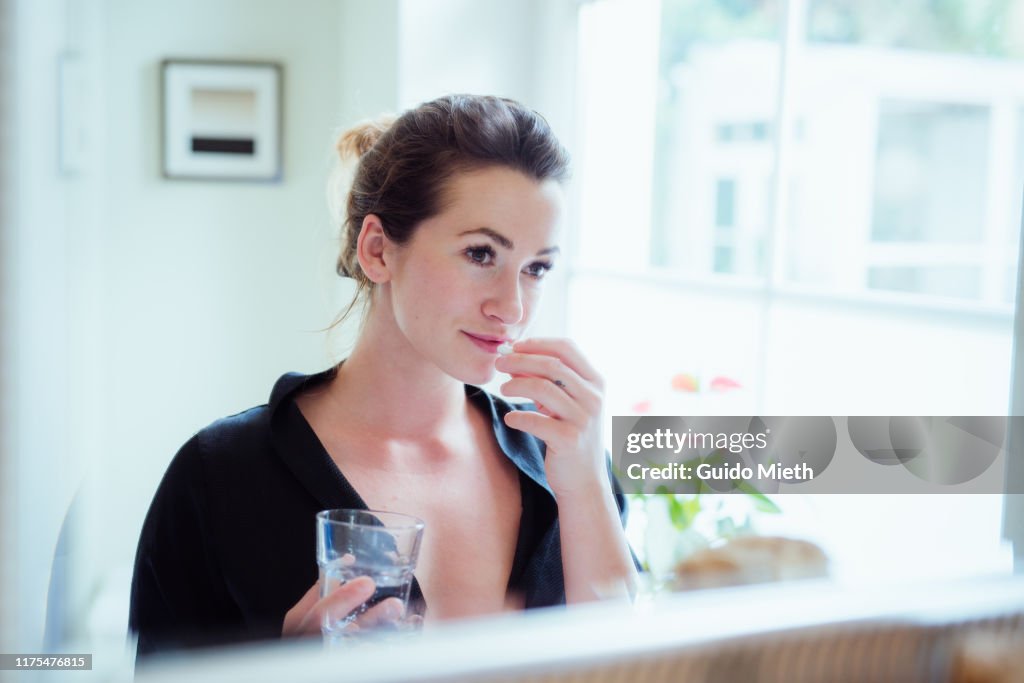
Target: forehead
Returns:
[[503, 199]]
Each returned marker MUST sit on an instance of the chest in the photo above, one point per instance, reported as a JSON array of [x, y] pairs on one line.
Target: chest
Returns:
[[468, 494], [472, 517]]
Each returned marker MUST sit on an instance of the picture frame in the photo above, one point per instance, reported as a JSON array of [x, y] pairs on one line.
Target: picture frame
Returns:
[[221, 120]]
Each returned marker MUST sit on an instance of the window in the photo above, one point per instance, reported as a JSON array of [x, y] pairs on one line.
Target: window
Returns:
[[818, 200]]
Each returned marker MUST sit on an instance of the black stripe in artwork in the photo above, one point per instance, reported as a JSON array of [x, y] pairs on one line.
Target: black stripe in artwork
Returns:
[[224, 145]]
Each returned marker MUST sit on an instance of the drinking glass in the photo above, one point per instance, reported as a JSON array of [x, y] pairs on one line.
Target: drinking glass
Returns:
[[378, 544]]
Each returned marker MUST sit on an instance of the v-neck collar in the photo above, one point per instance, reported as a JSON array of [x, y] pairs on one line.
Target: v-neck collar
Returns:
[[301, 451], [307, 458]]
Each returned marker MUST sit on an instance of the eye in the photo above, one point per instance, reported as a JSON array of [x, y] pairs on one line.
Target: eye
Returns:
[[538, 269], [481, 256]]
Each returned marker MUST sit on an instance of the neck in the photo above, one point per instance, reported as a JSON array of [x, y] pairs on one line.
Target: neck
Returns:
[[389, 388]]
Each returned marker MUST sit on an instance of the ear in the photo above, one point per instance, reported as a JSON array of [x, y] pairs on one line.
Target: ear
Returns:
[[370, 249]]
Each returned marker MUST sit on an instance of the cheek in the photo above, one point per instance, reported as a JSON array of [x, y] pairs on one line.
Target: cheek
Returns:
[[434, 289], [531, 300]]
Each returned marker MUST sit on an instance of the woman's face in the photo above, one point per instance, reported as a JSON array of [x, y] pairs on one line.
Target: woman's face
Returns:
[[471, 276]]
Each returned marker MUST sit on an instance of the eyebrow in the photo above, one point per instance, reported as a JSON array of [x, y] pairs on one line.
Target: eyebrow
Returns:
[[504, 241]]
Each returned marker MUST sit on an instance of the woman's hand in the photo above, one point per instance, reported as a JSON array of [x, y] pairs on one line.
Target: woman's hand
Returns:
[[308, 614], [569, 394]]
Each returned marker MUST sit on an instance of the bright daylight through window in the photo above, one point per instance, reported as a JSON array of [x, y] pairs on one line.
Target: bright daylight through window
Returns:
[[815, 211]]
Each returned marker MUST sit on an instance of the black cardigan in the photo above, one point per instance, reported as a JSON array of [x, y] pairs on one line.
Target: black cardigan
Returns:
[[228, 545]]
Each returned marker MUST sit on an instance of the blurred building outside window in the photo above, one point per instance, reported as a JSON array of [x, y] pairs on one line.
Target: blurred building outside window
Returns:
[[859, 258]]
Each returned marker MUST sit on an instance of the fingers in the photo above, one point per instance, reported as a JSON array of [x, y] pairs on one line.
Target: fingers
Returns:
[[569, 394], [536, 365], [547, 429], [561, 382], [347, 597], [383, 613], [566, 351], [550, 399], [294, 617], [309, 613]]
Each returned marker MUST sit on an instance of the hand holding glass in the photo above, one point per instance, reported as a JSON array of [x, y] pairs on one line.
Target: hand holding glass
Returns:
[[380, 545]]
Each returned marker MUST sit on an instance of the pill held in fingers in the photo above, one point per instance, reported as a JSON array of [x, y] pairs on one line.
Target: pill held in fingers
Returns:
[[505, 348]]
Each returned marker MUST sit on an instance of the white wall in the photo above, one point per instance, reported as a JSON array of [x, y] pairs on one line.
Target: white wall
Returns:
[[522, 49], [141, 309], [7, 488], [442, 41], [210, 290], [368, 39], [35, 322]]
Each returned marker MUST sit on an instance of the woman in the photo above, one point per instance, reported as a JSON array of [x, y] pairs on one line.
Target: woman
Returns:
[[450, 229]]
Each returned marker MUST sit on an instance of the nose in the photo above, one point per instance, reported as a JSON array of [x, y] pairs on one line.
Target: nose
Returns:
[[504, 301]]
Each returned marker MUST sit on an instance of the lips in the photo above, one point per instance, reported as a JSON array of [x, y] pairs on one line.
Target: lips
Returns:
[[486, 342]]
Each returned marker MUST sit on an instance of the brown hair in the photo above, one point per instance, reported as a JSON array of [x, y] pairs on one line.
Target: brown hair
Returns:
[[406, 163]]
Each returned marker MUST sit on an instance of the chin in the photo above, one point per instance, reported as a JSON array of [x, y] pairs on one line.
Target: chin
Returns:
[[468, 374]]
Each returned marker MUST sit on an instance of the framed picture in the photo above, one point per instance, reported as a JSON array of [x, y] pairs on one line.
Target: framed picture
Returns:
[[221, 120]]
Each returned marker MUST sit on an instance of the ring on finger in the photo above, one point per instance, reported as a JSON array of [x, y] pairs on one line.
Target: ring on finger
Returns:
[[560, 384]]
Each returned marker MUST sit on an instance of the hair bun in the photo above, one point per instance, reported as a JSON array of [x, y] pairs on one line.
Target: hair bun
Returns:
[[357, 141]]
